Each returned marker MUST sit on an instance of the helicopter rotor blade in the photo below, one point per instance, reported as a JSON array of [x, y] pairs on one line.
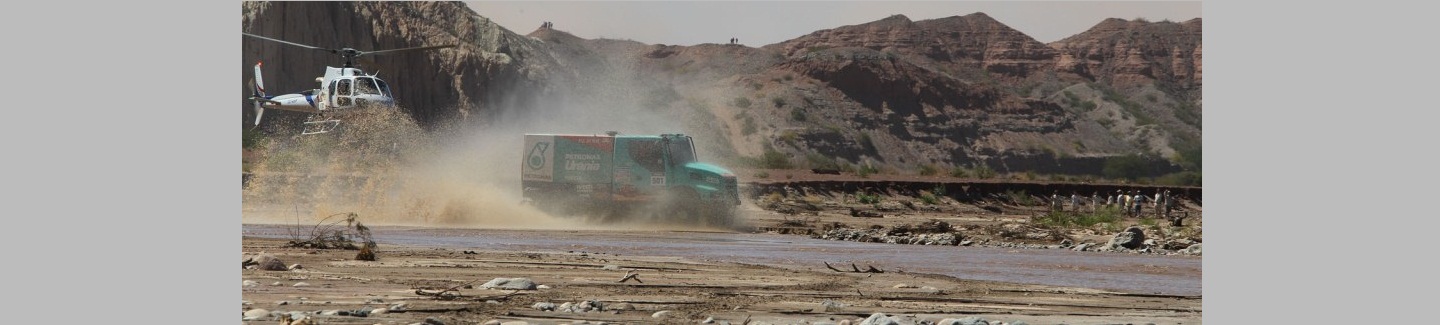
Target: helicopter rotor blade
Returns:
[[291, 43], [408, 49]]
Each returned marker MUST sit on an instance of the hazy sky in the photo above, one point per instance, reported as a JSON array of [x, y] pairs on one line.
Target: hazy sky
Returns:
[[762, 23]]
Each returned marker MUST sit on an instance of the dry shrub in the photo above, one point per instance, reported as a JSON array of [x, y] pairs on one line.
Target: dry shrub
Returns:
[[332, 233]]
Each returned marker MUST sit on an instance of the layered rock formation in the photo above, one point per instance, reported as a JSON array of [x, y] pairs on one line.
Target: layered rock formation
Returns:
[[1131, 53]]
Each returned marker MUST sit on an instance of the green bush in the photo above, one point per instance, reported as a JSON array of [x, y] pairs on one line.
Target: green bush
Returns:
[[983, 171], [775, 160], [779, 102], [866, 170], [928, 170], [742, 102], [1069, 219], [958, 172], [819, 161], [867, 198], [797, 114], [1021, 198], [930, 199]]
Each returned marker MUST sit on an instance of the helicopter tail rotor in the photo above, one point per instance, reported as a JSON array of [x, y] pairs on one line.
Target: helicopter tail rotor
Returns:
[[259, 110], [258, 92]]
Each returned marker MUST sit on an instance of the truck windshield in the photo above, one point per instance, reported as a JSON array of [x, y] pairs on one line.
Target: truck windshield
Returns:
[[681, 152]]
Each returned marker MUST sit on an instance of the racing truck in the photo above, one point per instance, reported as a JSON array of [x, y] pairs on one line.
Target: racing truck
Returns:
[[614, 176]]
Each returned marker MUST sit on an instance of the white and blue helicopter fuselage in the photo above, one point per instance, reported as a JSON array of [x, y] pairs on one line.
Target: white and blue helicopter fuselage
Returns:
[[340, 89]]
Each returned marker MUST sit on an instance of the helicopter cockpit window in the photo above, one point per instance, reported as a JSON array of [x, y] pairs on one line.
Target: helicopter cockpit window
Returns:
[[365, 86], [384, 88]]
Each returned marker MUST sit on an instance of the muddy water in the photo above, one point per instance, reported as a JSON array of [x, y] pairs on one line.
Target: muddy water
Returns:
[[1148, 274]]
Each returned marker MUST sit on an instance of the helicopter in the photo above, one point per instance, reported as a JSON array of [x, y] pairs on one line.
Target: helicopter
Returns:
[[341, 89]]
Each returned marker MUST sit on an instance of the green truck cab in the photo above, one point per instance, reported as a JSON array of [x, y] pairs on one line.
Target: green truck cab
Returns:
[[610, 174]]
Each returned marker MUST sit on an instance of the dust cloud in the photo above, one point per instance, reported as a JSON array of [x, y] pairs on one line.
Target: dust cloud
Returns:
[[383, 166]]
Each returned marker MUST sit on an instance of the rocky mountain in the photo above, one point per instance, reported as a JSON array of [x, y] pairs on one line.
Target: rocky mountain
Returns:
[[958, 46], [895, 94]]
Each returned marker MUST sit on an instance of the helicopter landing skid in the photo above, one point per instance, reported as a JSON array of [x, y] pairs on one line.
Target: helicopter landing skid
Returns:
[[318, 127]]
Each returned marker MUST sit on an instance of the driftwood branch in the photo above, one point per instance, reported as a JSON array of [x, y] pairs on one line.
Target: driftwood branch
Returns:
[[450, 294], [631, 275], [438, 294], [855, 269]]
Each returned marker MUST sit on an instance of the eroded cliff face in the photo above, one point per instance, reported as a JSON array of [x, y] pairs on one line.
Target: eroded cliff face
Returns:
[[1133, 53], [457, 83]]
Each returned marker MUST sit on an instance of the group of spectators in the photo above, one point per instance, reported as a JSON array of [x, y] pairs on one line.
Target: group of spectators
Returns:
[[1132, 203]]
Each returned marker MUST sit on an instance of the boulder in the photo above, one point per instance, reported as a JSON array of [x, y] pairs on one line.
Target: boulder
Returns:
[[256, 313], [1192, 250], [1131, 238], [972, 320], [510, 284], [1177, 244], [882, 319], [266, 262]]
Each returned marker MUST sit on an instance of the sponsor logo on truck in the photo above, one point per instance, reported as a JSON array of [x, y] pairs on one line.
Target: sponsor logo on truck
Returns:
[[538, 166], [537, 155]]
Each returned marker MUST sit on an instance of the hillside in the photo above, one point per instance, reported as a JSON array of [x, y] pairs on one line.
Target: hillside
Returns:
[[898, 95]]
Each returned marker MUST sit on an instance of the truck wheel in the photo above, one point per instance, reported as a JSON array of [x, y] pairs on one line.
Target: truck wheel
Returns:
[[682, 205], [721, 214]]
